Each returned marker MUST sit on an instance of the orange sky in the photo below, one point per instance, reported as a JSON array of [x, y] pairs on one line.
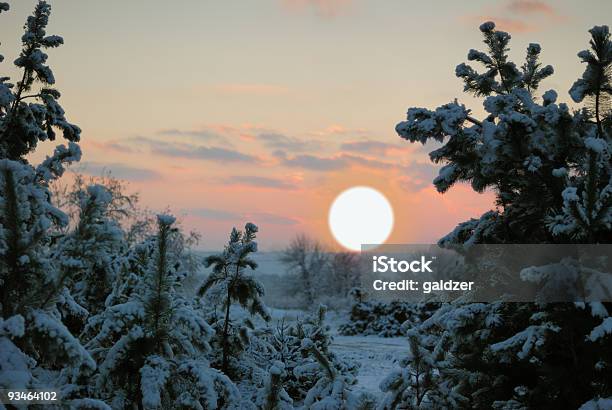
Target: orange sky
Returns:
[[229, 112]]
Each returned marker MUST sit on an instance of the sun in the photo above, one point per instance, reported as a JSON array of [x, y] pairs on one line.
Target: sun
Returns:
[[360, 215]]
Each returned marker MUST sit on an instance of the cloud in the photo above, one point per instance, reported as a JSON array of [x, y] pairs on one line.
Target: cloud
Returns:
[[110, 146], [217, 154], [260, 182], [365, 162], [273, 219], [191, 151], [371, 147], [251, 89], [510, 25], [283, 142], [203, 134], [208, 213], [417, 176], [342, 161], [321, 8], [519, 16], [336, 129], [120, 171], [315, 163], [531, 7], [240, 217]]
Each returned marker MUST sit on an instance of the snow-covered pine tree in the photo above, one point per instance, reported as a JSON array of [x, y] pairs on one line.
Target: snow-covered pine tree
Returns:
[[46, 354], [230, 282], [587, 197], [29, 111], [151, 346], [88, 256], [331, 378], [332, 388], [550, 170], [38, 351], [317, 376], [273, 396], [418, 384]]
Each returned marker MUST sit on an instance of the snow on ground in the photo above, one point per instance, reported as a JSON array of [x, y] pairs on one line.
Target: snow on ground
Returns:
[[377, 355]]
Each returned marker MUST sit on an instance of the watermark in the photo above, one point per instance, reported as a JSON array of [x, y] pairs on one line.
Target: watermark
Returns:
[[540, 273], [26, 397]]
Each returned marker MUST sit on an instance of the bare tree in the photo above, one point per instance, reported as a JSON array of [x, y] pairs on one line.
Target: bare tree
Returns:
[[344, 272], [308, 259]]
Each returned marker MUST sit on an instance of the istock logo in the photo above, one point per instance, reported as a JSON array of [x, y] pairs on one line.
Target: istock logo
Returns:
[[385, 264]]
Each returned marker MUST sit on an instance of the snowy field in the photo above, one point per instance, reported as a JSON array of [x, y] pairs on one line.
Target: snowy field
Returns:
[[376, 355]]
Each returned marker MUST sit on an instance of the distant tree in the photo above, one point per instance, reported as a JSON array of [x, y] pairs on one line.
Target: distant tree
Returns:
[[308, 259], [230, 281], [124, 205], [344, 272]]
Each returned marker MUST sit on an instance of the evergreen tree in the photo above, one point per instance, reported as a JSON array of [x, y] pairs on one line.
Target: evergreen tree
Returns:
[[151, 346], [273, 396], [547, 164], [38, 351], [418, 384], [29, 110], [43, 351], [230, 281], [88, 255]]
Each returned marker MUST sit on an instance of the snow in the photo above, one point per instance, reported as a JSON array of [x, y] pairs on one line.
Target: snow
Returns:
[[549, 97], [154, 375], [377, 356], [600, 331], [597, 404], [487, 27], [598, 145], [531, 338], [15, 366], [12, 327], [166, 219]]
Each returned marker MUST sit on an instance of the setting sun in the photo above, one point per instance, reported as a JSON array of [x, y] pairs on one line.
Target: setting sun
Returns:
[[360, 215]]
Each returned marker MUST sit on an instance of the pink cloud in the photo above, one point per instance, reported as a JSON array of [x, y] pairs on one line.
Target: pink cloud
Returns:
[[531, 7], [518, 16]]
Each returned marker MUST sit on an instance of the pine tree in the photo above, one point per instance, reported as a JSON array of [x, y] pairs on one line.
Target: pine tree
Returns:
[[23, 123], [273, 396], [88, 256], [232, 283], [38, 351], [151, 346], [31, 283], [550, 170], [322, 379], [418, 384]]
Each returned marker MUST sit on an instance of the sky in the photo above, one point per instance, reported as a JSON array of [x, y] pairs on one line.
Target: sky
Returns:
[[264, 111]]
